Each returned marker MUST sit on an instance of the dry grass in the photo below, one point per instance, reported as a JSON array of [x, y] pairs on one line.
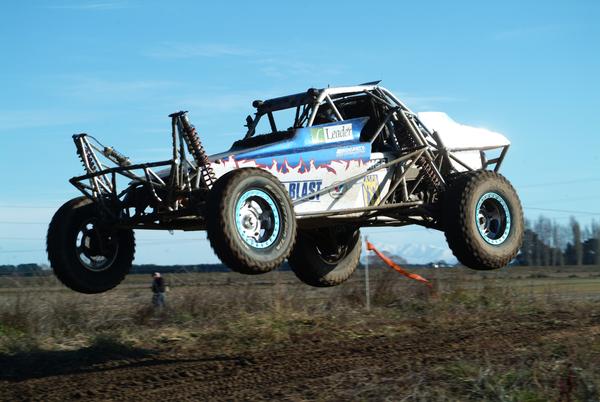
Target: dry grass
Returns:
[[235, 314]]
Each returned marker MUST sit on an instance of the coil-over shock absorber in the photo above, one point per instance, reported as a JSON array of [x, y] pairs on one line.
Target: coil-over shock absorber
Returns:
[[424, 163], [195, 148], [116, 156], [85, 154], [91, 164], [430, 175]]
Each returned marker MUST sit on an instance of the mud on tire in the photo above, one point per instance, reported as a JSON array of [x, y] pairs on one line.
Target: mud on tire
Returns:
[[325, 268], [483, 219], [250, 221], [85, 255]]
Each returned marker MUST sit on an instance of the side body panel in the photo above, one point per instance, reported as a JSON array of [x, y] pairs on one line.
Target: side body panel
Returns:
[[314, 158]]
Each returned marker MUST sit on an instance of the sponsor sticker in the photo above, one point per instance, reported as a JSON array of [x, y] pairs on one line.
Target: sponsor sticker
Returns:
[[375, 163], [337, 191], [370, 189], [347, 151], [299, 189], [341, 132]]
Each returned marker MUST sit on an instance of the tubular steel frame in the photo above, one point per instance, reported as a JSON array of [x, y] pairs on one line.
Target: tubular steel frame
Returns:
[[429, 154], [171, 197], [176, 200]]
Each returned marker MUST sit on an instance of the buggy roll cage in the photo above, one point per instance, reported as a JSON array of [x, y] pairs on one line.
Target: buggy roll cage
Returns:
[[427, 148], [173, 198], [307, 105]]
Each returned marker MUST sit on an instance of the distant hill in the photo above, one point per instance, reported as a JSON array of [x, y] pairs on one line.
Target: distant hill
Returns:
[[425, 253], [416, 254]]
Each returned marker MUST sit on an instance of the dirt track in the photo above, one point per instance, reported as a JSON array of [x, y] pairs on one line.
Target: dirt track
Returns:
[[365, 368]]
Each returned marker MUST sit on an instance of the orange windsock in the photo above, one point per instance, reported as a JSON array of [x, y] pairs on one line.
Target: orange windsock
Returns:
[[396, 267]]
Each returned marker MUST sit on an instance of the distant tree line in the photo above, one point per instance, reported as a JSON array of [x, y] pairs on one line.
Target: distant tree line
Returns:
[[177, 269], [548, 243], [41, 270], [24, 270]]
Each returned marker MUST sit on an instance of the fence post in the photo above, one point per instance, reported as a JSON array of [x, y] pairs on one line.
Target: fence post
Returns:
[[367, 291]]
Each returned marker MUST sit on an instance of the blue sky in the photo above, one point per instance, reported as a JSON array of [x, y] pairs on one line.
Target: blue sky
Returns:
[[116, 69]]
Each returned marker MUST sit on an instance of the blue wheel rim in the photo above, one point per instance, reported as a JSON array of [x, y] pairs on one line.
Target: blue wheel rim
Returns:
[[257, 219], [492, 217]]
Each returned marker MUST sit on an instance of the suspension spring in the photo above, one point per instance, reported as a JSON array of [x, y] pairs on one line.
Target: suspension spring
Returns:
[[429, 173], [394, 139], [197, 150], [425, 164], [85, 155]]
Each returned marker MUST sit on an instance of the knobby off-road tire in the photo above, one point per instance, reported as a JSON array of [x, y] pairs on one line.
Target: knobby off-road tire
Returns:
[[322, 268], [250, 221], [86, 255], [483, 219]]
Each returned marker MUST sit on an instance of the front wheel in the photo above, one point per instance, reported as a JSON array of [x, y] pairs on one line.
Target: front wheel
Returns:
[[87, 254], [250, 221], [483, 220], [326, 257]]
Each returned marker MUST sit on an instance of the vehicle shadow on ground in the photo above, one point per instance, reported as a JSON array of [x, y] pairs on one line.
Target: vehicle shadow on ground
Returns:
[[43, 363], [97, 358]]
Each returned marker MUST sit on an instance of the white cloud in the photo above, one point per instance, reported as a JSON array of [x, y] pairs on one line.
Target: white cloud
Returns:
[[176, 50], [83, 89], [273, 65], [35, 118], [85, 86], [93, 5], [223, 102], [283, 66], [425, 102], [526, 32]]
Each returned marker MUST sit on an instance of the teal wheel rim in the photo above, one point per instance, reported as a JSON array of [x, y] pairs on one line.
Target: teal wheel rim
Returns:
[[493, 219], [257, 219]]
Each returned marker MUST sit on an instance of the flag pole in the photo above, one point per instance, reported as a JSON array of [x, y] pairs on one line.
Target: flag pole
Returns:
[[367, 291]]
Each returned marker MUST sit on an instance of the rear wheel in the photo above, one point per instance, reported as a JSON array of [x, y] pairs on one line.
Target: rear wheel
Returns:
[[86, 254], [483, 220], [326, 257], [250, 221]]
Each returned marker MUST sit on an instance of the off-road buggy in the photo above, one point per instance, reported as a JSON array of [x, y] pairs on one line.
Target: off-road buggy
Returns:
[[346, 158]]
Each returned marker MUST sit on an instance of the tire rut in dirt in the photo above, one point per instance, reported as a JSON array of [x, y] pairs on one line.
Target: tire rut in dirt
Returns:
[[304, 368]]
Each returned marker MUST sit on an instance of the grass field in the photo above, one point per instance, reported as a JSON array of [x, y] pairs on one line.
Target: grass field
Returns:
[[519, 334]]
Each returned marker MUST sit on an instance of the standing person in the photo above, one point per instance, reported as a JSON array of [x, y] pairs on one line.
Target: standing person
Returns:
[[158, 290]]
